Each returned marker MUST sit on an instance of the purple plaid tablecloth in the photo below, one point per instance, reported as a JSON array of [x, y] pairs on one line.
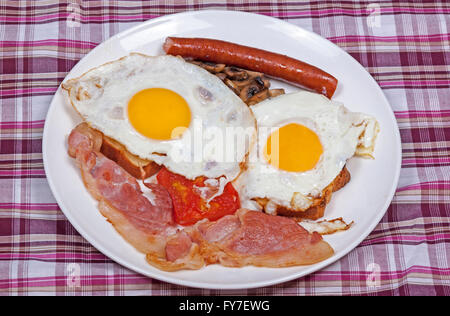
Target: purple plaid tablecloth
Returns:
[[403, 44]]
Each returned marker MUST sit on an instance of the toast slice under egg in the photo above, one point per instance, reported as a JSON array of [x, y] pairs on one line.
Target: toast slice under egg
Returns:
[[134, 165], [317, 208], [137, 167]]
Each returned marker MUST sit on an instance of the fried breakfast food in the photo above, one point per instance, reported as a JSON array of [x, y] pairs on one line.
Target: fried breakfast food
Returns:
[[255, 238], [304, 142], [170, 195], [157, 115], [145, 220], [115, 189], [194, 200], [269, 63], [135, 166], [317, 208]]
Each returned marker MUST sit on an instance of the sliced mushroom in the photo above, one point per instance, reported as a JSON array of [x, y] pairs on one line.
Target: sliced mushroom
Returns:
[[232, 86], [211, 67], [259, 80], [253, 74], [262, 81], [251, 86], [275, 92], [243, 83], [249, 91], [235, 73], [260, 96], [221, 76]]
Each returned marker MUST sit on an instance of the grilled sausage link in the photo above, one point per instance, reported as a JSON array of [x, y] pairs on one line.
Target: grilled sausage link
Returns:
[[272, 64]]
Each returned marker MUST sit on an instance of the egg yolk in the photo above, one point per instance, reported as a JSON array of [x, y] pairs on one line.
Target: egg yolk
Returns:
[[159, 113], [294, 148]]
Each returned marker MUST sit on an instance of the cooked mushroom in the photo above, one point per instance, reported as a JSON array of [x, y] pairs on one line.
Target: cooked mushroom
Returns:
[[211, 67], [249, 91], [275, 92], [262, 81], [254, 74], [260, 96], [232, 86], [221, 76], [251, 86], [243, 83], [259, 80], [235, 73]]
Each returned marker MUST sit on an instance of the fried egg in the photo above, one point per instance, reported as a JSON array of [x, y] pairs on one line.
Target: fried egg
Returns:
[[161, 109], [304, 141]]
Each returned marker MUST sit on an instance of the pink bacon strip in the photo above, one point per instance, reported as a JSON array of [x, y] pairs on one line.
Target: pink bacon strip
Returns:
[[121, 200], [258, 239]]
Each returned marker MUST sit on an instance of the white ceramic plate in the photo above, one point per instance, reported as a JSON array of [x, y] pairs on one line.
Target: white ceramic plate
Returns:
[[364, 200]]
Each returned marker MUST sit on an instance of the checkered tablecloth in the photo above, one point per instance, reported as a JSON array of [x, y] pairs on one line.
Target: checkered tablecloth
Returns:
[[403, 44]]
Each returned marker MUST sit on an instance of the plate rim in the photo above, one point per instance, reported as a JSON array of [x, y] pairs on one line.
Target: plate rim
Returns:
[[204, 285]]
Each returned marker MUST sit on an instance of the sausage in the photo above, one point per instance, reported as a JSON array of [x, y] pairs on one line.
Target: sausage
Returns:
[[272, 64]]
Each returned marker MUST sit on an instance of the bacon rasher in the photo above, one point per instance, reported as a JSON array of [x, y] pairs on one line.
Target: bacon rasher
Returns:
[[258, 239], [143, 224]]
